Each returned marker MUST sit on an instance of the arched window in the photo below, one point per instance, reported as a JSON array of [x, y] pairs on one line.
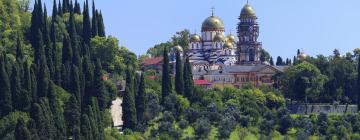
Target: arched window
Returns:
[[251, 55]]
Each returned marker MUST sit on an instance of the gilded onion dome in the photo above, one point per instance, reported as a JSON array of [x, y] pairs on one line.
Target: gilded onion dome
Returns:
[[195, 38], [231, 38], [178, 48], [247, 11], [219, 38], [302, 56], [212, 23], [228, 45]]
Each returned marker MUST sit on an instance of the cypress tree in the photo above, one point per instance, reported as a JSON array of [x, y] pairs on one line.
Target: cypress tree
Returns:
[[77, 9], [99, 87], [43, 74], [60, 10], [166, 79], [42, 125], [72, 117], [101, 26], [21, 131], [48, 47], [5, 93], [128, 105], [86, 23], [20, 98], [140, 99], [34, 87], [271, 61], [279, 61], [358, 82], [89, 80], [86, 128], [92, 118], [27, 82], [16, 88], [66, 6], [188, 80], [67, 52], [94, 30], [33, 130], [294, 60], [57, 112], [38, 47], [75, 83], [49, 117], [179, 79], [54, 12], [19, 51]]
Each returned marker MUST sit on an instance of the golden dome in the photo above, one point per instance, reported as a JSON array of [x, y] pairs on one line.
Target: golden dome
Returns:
[[178, 48], [219, 38], [247, 11], [212, 23], [231, 38], [302, 56], [228, 45], [195, 38]]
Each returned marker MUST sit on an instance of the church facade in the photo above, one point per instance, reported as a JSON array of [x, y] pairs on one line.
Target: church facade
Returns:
[[221, 60]]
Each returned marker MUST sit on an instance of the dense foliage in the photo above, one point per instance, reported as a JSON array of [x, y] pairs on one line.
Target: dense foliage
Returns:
[[57, 73]]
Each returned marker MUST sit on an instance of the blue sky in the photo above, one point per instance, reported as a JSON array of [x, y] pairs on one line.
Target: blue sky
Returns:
[[316, 26]]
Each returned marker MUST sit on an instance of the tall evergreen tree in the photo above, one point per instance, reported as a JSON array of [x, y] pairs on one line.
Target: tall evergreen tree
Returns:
[[72, 117], [94, 29], [20, 98], [99, 87], [86, 24], [49, 117], [60, 10], [57, 112], [26, 82], [179, 79], [66, 6], [21, 131], [33, 130], [86, 128], [101, 26], [19, 51], [166, 78], [188, 80], [5, 93], [54, 12], [271, 61], [34, 83], [279, 61], [67, 52], [77, 9], [43, 74], [48, 45], [89, 80], [42, 125], [128, 105], [75, 83], [358, 82], [140, 99]]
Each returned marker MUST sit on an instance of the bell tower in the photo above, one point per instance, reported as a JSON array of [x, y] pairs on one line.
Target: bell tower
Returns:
[[248, 47]]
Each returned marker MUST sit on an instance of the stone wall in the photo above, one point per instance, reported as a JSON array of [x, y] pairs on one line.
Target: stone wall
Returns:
[[321, 108]]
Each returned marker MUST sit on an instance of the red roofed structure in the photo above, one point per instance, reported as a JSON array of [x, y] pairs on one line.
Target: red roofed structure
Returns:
[[153, 63], [202, 83]]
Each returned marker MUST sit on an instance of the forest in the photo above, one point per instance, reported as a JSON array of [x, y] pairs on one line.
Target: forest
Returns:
[[53, 71], [59, 74]]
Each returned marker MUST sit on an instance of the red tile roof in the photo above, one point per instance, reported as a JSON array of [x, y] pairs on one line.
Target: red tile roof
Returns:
[[152, 61], [201, 82]]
